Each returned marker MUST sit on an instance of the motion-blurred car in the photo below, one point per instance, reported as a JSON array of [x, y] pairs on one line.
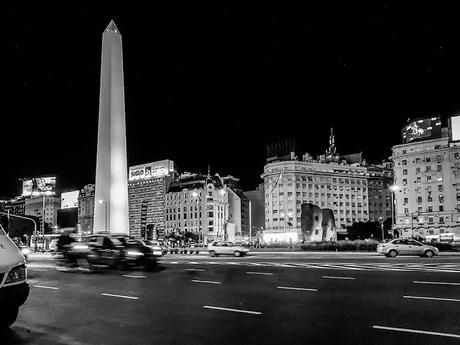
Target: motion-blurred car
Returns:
[[226, 248], [137, 253], [53, 246], [405, 246], [158, 249]]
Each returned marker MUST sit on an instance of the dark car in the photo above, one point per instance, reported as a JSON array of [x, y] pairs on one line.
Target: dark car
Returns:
[[136, 252]]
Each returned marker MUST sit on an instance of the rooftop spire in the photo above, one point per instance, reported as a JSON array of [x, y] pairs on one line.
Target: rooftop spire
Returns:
[[112, 27], [331, 152]]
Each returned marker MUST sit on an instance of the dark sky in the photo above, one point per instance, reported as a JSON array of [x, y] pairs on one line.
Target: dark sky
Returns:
[[214, 84]]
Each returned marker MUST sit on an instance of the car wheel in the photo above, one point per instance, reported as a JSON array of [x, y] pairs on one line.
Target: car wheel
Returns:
[[212, 252], [429, 254], [237, 253], [8, 317], [392, 253]]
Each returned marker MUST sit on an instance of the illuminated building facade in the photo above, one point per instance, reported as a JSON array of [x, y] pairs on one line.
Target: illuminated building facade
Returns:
[[86, 209], [44, 207]]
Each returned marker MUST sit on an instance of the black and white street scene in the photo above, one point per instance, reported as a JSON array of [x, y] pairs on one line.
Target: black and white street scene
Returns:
[[230, 174]]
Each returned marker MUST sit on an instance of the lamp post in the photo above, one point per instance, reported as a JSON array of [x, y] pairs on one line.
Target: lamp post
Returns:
[[106, 214], [393, 188]]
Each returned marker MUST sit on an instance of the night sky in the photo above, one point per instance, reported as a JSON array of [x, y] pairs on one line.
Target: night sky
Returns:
[[213, 84]]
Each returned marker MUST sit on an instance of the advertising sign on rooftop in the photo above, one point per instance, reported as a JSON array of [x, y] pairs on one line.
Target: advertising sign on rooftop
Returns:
[[38, 185], [454, 127], [69, 199], [426, 128], [151, 170]]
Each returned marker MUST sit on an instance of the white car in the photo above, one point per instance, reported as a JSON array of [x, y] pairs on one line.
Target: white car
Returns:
[[227, 248]]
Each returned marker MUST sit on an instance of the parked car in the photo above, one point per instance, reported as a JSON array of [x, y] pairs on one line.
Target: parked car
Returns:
[[14, 288], [403, 246], [226, 248]]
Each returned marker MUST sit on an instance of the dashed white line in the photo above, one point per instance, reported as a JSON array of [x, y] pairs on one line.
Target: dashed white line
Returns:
[[433, 298], [46, 287], [119, 296], [261, 273], [344, 278], [233, 310], [195, 269], [205, 281], [133, 276], [295, 288], [408, 330], [436, 283]]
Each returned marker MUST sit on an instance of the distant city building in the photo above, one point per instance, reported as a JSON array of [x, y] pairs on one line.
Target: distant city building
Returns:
[[15, 205], [238, 206], [256, 209], [427, 178], [45, 207], [340, 183], [199, 204], [147, 187], [86, 209]]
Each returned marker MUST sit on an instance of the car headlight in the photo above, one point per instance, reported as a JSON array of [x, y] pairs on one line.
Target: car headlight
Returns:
[[80, 246], [25, 251], [157, 252], [134, 253], [17, 274]]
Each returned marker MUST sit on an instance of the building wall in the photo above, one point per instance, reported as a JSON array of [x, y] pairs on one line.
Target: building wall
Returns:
[[147, 205], [427, 174], [86, 209], [257, 208], [379, 193], [34, 207]]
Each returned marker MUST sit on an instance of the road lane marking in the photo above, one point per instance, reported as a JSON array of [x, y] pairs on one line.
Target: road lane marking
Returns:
[[205, 281], [451, 335], [344, 278], [195, 269], [435, 283], [295, 288], [433, 298], [234, 310], [46, 287], [119, 296], [133, 276], [261, 273]]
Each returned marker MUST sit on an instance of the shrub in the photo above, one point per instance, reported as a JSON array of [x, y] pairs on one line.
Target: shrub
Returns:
[[341, 246]]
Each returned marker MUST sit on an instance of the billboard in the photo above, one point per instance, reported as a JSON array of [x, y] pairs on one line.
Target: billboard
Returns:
[[426, 128], [454, 128], [38, 185], [69, 199], [151, 170]]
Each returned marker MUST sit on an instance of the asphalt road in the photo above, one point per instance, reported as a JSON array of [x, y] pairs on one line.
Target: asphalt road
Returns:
[[268, 298]]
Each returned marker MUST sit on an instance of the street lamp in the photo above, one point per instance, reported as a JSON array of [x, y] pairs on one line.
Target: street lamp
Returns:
[[106, 214], [393, 188]]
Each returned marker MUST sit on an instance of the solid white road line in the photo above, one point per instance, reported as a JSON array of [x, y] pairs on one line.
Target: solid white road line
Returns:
[[234, 310], [435, 283], [205, 281], [47, 287], [261, 273], [433, 298], [344, 278], [195, 269], [132, 276], [295, 288], [407, 330], [119, 296]]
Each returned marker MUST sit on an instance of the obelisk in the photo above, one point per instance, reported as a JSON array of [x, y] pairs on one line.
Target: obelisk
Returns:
[[111, 198]]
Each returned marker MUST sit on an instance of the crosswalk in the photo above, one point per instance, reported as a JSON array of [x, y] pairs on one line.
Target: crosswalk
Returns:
[[396, 267]]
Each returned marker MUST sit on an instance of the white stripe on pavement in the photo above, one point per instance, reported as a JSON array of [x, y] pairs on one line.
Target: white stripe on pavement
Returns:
[[435, 283], [234, 310], [433, 298], [47, 287], [451, 335], [261, 273], [119, 296], [195, 269], [205, 281], [295, 288], [132, 276], [344, 278]]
